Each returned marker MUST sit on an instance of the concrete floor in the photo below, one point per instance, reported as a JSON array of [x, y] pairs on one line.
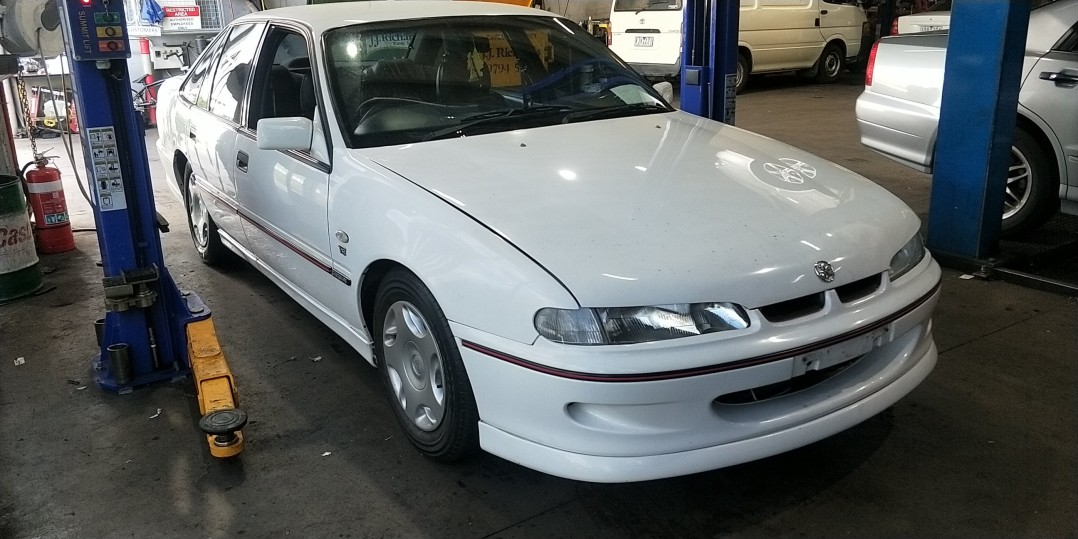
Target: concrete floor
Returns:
[[985, 447]]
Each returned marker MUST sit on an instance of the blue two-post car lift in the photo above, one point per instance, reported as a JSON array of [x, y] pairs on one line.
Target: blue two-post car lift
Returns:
[[151, 332]]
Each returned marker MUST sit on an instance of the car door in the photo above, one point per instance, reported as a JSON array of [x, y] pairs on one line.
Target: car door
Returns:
[[845, 19], [215, 123], [195, 130], [1051, 92], [283, 194]]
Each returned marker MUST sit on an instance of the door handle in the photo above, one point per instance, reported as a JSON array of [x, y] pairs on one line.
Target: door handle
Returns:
[[1060, 77], [241, 161], [823, 12], [191, 134]]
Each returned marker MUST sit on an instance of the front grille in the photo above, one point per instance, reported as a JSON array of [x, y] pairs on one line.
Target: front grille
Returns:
[[793, 308], [784, 387], [859, 289]]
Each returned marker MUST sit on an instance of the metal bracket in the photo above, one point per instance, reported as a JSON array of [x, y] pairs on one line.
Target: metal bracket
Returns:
[[133, 288]]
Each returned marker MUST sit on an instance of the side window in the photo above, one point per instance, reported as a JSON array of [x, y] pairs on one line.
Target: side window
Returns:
[[1069, 41], [234, 71], [201, 70], [285, 87], [202, 101]]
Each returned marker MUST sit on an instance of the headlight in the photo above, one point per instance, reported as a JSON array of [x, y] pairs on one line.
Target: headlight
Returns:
[[907, 257], [627, 325]]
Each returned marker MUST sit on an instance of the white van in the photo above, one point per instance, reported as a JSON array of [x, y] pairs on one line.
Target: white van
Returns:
[[816, 36]]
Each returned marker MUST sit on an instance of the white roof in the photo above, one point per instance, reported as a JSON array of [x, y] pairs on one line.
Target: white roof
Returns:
[[323, 17]]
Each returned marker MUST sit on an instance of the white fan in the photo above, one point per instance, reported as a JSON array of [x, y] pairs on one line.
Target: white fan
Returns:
[[26, 23]]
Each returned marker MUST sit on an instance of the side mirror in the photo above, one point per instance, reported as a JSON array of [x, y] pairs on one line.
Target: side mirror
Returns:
[[285, 134], [666, 90]]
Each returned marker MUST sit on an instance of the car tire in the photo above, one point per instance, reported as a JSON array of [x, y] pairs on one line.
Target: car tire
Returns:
[[830, 64], [743, 71], [204, 233], [422, 370], [1032, 192]]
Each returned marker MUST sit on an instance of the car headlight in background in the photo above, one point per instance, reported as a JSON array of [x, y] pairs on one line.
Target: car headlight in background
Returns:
[[907, 257], [628, 325]]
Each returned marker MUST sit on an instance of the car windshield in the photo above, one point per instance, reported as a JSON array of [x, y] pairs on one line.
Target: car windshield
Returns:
[[417, 80]]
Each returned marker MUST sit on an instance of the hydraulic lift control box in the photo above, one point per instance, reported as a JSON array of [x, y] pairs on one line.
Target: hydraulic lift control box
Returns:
[[97, 30]]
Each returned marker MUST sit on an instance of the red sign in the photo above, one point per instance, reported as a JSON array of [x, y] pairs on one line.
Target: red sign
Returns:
[[181, 11]]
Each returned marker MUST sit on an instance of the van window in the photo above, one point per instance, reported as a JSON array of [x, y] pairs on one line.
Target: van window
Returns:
[[785, 3], [646, 5]]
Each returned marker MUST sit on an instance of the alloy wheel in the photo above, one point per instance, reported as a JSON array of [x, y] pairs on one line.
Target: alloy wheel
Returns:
[[1018, 184], [200, 219]]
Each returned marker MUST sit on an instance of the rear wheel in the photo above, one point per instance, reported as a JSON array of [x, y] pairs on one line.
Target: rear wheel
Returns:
[[422, 371], [1031, 196], [829, 66], [204, 232]]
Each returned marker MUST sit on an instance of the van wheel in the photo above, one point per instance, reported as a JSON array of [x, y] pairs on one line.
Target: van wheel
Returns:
[[1032, 193], [830, 63], [743, 70]]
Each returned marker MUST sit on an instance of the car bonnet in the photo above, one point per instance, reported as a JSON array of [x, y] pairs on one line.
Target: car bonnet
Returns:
[[665, 208]]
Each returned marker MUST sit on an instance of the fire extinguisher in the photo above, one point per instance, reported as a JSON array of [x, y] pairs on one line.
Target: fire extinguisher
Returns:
[[45, 192]]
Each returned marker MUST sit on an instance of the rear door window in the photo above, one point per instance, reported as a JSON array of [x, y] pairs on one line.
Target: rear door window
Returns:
[[233, 73]]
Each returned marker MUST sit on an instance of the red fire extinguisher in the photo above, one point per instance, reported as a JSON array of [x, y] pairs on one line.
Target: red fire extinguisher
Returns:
[[45, 191]]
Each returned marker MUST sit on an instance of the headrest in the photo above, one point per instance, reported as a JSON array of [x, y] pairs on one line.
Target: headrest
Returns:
[[307, 100]]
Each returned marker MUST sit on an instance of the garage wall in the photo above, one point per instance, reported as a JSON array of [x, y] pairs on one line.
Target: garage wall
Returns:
[[577, 10]]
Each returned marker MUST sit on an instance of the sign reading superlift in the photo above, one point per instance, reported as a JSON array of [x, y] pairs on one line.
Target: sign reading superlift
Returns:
[[151, 331]]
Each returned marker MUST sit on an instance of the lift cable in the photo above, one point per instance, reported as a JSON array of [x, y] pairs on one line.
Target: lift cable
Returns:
[[65, 141]]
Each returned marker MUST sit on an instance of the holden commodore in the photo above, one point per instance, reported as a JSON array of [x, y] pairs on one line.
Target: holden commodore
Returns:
[[542, 257]]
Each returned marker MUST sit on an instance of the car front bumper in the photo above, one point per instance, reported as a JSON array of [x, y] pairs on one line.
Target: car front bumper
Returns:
[[636, 426]]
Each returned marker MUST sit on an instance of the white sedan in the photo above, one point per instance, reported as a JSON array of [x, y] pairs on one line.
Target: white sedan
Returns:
[[542, 257]]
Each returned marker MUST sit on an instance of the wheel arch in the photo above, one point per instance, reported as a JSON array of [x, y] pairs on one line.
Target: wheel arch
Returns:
[[840, 42], [179, 166], [745, 51], [1046, 139], [369, 282]]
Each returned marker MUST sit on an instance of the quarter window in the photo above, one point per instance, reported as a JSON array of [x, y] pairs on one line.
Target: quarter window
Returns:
[[233, 73], [200, 72]]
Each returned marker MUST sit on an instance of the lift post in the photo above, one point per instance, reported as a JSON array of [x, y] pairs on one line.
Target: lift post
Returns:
[[976, 127], [709, 59], [144, 337], [145, 312]]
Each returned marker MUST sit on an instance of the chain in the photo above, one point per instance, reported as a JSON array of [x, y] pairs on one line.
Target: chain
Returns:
[[20, 84]]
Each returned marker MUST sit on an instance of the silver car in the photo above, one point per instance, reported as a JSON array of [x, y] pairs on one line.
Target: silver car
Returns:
[[898, 113]]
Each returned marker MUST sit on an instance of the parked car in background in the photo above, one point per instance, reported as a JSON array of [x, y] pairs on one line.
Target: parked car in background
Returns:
[[541, 256], [816, 37], [937, 17], [898, 113]]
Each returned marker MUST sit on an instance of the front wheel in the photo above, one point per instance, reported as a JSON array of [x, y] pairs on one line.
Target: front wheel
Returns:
[[1032, 195], [829, 66], [422, 371]]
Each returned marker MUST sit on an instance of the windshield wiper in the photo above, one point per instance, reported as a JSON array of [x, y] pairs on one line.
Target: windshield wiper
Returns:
[[493, 116], [649, 4], [613, 112]]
